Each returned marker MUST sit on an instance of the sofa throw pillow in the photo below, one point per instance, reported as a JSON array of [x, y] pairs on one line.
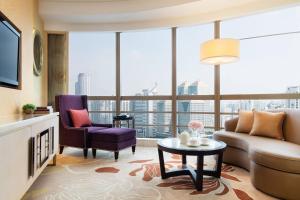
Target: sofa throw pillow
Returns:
[[268, 124], [245, 122], [80, 118]]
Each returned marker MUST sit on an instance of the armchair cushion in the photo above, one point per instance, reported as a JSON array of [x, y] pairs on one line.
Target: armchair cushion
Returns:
[[80, 118], [91, 129]]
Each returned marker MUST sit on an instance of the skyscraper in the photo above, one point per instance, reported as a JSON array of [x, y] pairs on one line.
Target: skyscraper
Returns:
[[293, 103], [82, 86], [197, 88], [144, 115], [185, 107], [162, 118]]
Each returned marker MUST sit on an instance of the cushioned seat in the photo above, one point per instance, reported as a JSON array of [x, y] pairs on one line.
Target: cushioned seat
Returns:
[[279, 155], [265, 151], [113, 134], [112, 139], [92, 129]]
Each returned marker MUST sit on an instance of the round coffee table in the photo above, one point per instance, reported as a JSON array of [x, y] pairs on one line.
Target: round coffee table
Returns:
[[172, 145]]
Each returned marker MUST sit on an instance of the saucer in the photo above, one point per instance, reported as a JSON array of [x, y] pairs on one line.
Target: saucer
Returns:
[[193, 145]]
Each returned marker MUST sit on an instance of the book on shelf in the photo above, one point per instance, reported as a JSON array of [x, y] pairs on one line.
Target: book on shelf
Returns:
[[43, 110]]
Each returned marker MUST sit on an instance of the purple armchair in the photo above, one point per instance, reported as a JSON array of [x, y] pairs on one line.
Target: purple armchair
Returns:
[[69, 135]]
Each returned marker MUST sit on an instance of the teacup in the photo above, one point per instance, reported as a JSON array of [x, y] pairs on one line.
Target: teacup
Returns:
[[204, 141], [194, 141]]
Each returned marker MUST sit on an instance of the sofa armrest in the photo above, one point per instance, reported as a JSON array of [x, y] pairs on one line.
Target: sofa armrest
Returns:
[[230, 124], [102, 125]]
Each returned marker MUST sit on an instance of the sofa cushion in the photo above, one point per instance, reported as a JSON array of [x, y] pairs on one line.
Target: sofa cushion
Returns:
[[245, 122], [268, 124], [291, 125], [276, 154]]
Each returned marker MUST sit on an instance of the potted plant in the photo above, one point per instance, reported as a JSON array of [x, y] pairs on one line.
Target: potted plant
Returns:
[[28, 108]]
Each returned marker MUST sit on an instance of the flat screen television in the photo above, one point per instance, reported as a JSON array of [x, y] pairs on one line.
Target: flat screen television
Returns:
[[10, 53]]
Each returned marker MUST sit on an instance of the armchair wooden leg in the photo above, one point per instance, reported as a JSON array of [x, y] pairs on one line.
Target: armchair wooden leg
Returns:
[[133, 149], [94, 152], [85, 153], [61, 149], [116, 155]]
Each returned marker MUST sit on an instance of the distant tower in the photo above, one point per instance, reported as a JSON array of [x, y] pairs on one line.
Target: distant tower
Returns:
[[182, 89], [293, 103], [198, 88], [187, 106], [82, 86]]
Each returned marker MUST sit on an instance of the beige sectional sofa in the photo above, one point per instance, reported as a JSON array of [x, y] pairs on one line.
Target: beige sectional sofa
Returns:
[[274, 165]]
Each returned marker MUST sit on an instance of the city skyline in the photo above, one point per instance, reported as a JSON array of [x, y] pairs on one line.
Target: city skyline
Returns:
[[150, 114]]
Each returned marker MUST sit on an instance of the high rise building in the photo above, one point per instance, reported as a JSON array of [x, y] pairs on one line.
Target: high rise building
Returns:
[[144, 113], [182, 89], [82, 86], [197, 88], [162, 118], [293, 103], [185, 107]]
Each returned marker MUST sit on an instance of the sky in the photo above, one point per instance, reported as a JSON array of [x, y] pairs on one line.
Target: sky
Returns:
[[266, 65]]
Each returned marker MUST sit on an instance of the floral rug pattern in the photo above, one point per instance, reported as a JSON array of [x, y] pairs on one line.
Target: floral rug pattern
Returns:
[[135, 177]]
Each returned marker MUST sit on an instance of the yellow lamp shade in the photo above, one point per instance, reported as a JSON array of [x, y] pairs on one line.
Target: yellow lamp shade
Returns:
[[220, 51]]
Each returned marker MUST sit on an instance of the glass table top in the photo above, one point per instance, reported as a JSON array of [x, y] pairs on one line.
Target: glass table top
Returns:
[[174, 143]]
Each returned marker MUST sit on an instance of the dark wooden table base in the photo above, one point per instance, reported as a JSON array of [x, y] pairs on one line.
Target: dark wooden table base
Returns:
[[195, 174]]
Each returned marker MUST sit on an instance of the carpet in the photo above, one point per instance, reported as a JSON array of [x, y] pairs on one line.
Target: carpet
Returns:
[[135, 177]]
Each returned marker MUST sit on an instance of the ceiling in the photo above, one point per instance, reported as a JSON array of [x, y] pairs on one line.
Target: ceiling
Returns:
[[124, 15]]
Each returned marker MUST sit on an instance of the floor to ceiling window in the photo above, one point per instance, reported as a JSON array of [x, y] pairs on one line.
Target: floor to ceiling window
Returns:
[[146, 63], [92, 71], [269, 61], [152, 61], [193, 77], [146, 73]]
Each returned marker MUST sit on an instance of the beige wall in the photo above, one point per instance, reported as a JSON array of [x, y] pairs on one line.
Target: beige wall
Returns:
[[24, 14]]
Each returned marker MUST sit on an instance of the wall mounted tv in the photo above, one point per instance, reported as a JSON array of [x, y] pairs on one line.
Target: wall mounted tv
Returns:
[[10, 54]]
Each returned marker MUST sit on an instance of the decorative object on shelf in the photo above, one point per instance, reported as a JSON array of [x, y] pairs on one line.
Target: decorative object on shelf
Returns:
[[184, 137], [28, 108], [220, 51], [50, 108], [37, 52]]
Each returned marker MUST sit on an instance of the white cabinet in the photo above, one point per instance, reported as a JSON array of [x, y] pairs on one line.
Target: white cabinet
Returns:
[[20, 152]]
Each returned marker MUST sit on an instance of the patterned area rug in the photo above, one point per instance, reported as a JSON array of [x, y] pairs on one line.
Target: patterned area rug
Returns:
[[135, 177]]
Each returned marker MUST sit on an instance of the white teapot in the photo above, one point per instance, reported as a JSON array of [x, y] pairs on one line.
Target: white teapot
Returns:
[[184, 137]]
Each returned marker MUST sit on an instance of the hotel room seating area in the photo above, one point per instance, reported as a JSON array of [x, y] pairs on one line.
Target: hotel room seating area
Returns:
[[162, 100], [95, 136]]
